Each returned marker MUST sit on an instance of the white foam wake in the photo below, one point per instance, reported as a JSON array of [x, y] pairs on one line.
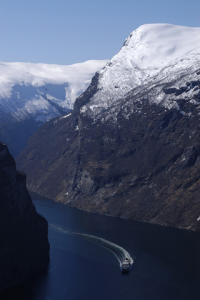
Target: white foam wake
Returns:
[[119, 252]]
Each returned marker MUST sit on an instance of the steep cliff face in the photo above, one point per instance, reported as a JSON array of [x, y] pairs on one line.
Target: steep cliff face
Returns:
[[131, 146], [24, 247], [144, 166]]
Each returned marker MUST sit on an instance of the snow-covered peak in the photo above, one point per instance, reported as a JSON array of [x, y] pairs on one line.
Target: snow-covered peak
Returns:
[[158, 45], [149, 50]]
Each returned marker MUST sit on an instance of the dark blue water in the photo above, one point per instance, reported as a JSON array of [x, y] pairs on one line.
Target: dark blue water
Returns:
[[166, 266]]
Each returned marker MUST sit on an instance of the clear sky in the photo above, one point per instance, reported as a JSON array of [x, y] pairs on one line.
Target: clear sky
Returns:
[[67, 32]]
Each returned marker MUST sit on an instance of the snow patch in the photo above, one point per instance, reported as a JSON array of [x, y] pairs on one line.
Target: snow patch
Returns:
[[64, 117]]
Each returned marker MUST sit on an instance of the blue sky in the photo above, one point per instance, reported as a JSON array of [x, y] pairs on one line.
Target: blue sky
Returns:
[[67, 32]]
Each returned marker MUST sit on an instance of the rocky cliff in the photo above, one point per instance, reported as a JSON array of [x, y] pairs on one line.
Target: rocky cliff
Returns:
[[24, 247], [144, 167], [131, 146]]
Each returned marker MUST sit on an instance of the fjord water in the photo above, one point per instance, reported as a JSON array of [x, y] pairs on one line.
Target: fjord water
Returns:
[[166, 260]]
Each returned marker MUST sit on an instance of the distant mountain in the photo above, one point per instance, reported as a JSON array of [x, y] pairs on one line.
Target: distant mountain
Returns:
[[131, 146], [32, 94]]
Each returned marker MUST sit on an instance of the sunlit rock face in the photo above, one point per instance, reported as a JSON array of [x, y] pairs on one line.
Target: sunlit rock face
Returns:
[[131, 146], [24, 246]]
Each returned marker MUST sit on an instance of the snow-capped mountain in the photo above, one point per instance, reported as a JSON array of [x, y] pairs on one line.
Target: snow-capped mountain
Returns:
[[32, 94], [151, 53], [131, 145], [40, 90]]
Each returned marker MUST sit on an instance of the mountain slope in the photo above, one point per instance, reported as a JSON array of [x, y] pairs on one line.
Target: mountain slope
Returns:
[[130, 147], [32, 94]]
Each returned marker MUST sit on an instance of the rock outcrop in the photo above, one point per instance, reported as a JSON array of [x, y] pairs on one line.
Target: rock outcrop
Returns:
[[24, 247]]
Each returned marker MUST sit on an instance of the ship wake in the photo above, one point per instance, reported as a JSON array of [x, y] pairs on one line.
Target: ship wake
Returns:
[[119, 252]]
